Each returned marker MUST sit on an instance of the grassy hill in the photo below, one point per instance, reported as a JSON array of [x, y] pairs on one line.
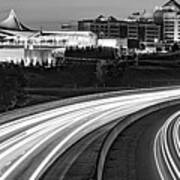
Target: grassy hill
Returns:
[[75, 79]]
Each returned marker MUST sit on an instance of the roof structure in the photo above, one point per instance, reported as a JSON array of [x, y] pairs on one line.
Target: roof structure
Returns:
[[12, 22], [144, 15], [103, 18], [65, 33], [172, 3], [17, 33]]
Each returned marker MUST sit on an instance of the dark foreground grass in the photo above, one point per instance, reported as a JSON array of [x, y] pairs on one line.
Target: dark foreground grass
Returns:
[[80, 79], [76, 75], [150, 76]]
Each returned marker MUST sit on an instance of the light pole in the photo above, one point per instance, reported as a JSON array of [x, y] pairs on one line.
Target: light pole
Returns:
[[155, 43]]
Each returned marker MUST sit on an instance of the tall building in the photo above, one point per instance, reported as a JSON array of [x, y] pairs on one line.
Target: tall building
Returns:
[[162, 25], [171, 27], [168, 16]]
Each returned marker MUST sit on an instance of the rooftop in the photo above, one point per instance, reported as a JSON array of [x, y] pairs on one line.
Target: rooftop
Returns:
[[172, 3], [12, 22]]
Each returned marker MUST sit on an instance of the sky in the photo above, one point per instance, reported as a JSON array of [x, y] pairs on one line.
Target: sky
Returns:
[[65, 10]]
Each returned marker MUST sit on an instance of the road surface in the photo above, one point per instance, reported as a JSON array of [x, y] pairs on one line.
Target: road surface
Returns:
[[167, 148], [47, 135]]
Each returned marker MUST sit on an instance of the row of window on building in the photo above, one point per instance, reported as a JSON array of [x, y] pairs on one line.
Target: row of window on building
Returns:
[[145, 32], [163, 25]]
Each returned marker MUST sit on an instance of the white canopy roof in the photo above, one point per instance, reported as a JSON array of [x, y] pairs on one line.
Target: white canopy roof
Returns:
[[13, 23]]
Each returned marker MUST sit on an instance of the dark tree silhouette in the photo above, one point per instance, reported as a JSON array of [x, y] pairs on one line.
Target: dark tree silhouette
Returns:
[[175, 47], [12, 85]]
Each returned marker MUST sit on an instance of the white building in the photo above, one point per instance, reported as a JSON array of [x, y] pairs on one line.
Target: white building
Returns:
[[38, 46], [116, 43], [172, 27], [14, 33], [63, 39], [168, 16], [12, 54]]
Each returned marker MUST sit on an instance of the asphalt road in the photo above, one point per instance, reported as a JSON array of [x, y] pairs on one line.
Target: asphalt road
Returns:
[[31, 144], [146, 143], [131, 156], [167, 148]]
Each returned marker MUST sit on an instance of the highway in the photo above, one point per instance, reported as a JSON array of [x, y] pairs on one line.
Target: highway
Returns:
[[167, 148], [53, 132]]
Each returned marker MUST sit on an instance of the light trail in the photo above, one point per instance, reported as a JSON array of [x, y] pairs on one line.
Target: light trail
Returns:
[[23, 139], [166, 149]]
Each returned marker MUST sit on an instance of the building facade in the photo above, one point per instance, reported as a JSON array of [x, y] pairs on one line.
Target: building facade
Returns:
[[104, 27], [149, 33], [146, 32], [63, 39], [168, 16], [171, 27], [160, 26], [21, 43], [13, 33]]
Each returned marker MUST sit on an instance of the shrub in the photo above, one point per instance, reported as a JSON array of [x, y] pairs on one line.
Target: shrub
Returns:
[[12, 85]]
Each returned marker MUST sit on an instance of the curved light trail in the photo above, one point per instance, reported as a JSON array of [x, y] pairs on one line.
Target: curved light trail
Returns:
[[26, 137], [167, 149]]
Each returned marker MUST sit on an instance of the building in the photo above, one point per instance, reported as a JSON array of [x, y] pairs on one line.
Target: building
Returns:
[[133, 30], [69, 27], [12, 54], [57, 39], [43, 56], [149, 33], [171, 27], [16, 37], [168, 16], [141, 29], [13, 23], [149, 28], [104, 27], [13, 33], [113, 43], [85, 25]]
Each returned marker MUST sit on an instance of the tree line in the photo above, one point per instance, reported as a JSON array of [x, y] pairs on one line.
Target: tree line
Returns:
[[12, 84]]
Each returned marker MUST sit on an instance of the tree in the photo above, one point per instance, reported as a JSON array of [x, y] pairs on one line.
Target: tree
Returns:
[[175, 47], [12, 85], [101, 72], [22, 63]]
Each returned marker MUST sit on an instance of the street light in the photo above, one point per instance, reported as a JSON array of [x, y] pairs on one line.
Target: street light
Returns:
[[156, 42]]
